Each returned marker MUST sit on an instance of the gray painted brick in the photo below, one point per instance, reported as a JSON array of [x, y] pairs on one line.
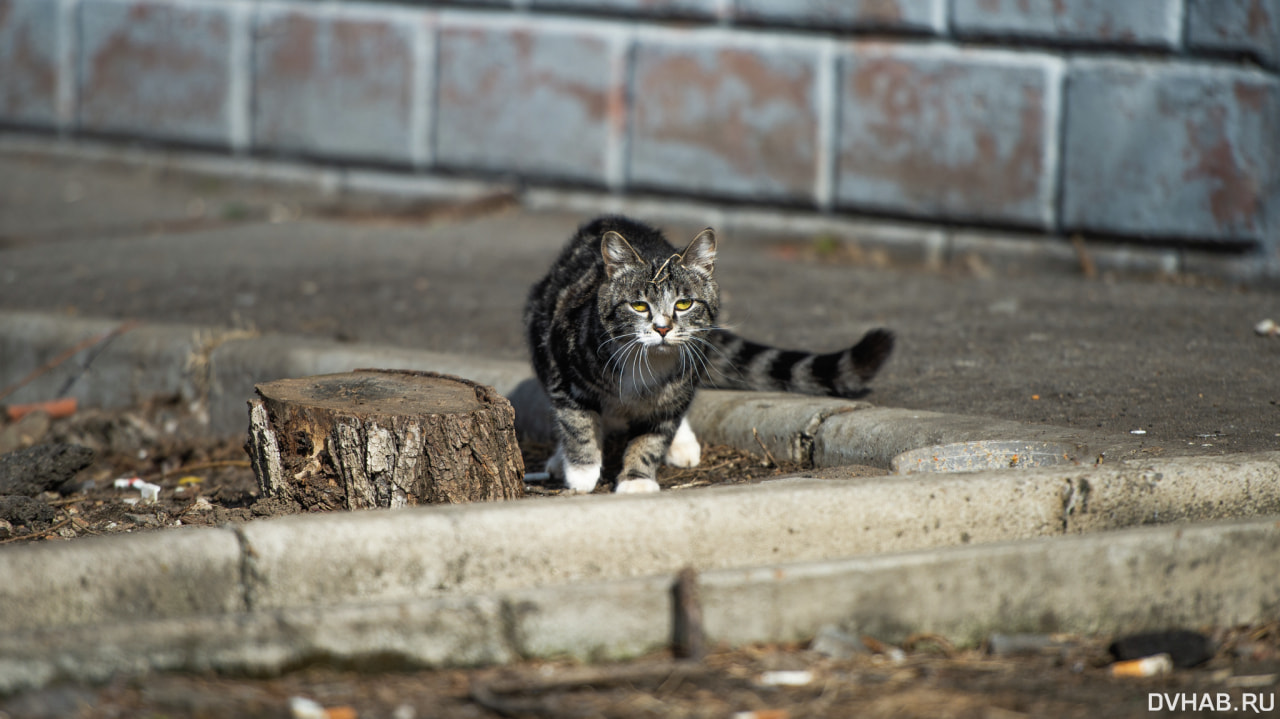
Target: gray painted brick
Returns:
[[28, 61], [1246, 26], [337, 85], [717, 115], [1171, 151], [1108, 22], [156, 69], [659, 8], [917, 16], [932, 131], [531, 98]]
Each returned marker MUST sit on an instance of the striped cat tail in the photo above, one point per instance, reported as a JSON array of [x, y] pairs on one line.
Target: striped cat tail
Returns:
[[738, 363]]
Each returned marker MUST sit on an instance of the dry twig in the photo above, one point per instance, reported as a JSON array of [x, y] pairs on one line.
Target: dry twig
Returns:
[[768, 455]]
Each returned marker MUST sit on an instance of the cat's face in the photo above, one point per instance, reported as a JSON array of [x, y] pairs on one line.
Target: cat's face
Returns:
[[661, 304]]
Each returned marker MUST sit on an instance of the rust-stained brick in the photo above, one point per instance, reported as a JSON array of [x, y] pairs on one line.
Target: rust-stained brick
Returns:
[[337, 85], [1156, 23], [157, 69], [726, 118], [28, 64], [1236, 26], [658, 8], [1171, 151], [536, 99], [942, 133], [910, 16]]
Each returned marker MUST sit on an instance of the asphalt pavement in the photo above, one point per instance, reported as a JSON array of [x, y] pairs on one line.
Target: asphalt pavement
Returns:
[[1173, 360]]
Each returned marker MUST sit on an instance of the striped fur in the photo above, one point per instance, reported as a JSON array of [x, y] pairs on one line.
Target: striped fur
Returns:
[[622, 332]]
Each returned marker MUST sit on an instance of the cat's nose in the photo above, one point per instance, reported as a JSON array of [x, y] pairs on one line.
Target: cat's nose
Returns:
[[662, 330]]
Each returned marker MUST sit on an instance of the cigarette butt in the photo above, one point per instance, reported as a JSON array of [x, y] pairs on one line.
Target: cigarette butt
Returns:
[[55, 408], [764, 714], [340, 713], [1144, 667]]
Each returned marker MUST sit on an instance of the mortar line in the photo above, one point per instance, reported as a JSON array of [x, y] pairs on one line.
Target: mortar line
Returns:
[[828, 119], [240, 74], [67, 88]]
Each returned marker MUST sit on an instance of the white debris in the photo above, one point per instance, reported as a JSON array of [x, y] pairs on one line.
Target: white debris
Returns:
[[786, 679], [304, 708], [1267, 328], [150, 492], [1137, 431]]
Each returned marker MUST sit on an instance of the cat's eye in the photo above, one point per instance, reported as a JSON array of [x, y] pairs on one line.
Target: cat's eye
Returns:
[[640, 306], [683, 305]]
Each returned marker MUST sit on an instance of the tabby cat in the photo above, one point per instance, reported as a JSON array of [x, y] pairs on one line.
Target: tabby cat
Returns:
[[623, 332]]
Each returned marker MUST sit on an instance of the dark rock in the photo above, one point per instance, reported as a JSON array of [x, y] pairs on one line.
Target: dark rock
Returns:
[[43, 468], [25, 510], [1185, 648]]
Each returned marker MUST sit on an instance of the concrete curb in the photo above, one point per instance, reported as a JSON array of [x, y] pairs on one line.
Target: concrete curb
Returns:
[[1129, 580], [380, 556]]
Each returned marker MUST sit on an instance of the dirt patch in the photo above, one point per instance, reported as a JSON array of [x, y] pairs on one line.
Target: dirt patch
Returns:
[[208, 482], [759, 682]]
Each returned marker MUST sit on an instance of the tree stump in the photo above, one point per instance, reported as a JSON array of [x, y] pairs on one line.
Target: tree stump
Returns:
[[383, 438]]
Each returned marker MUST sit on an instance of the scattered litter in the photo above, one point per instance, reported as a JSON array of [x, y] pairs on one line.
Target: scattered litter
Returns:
[[764, 714], [1267, 328], [1137, 431], [150, 492], [1145, 667], [797, 678], [201, 505], [404, 711], [56, 409], [190, 479]]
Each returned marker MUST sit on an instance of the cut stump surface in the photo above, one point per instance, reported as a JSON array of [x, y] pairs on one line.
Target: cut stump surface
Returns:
[[383, 438]]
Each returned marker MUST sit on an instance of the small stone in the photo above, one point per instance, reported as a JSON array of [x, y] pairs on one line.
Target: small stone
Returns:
[[1185, 648], [41, 468], [145, 520], [832, 642], [25, 510], [6, 529], [1267, 328]]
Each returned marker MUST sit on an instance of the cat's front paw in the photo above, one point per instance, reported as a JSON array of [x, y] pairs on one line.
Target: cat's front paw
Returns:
[[685, 450], [581, 478], [636, 486]]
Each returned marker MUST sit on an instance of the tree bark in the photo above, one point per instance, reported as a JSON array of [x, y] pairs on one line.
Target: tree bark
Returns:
[[383, 438]]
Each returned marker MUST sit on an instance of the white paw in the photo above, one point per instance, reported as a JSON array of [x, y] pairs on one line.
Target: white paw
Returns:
[[636, 486], [685, 450], [581, 477]]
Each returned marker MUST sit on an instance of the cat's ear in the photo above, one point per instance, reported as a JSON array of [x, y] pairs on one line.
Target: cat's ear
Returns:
[[700, 255], [618, 253]]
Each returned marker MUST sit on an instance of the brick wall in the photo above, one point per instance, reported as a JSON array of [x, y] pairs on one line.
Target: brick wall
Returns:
[[1146, 120]]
